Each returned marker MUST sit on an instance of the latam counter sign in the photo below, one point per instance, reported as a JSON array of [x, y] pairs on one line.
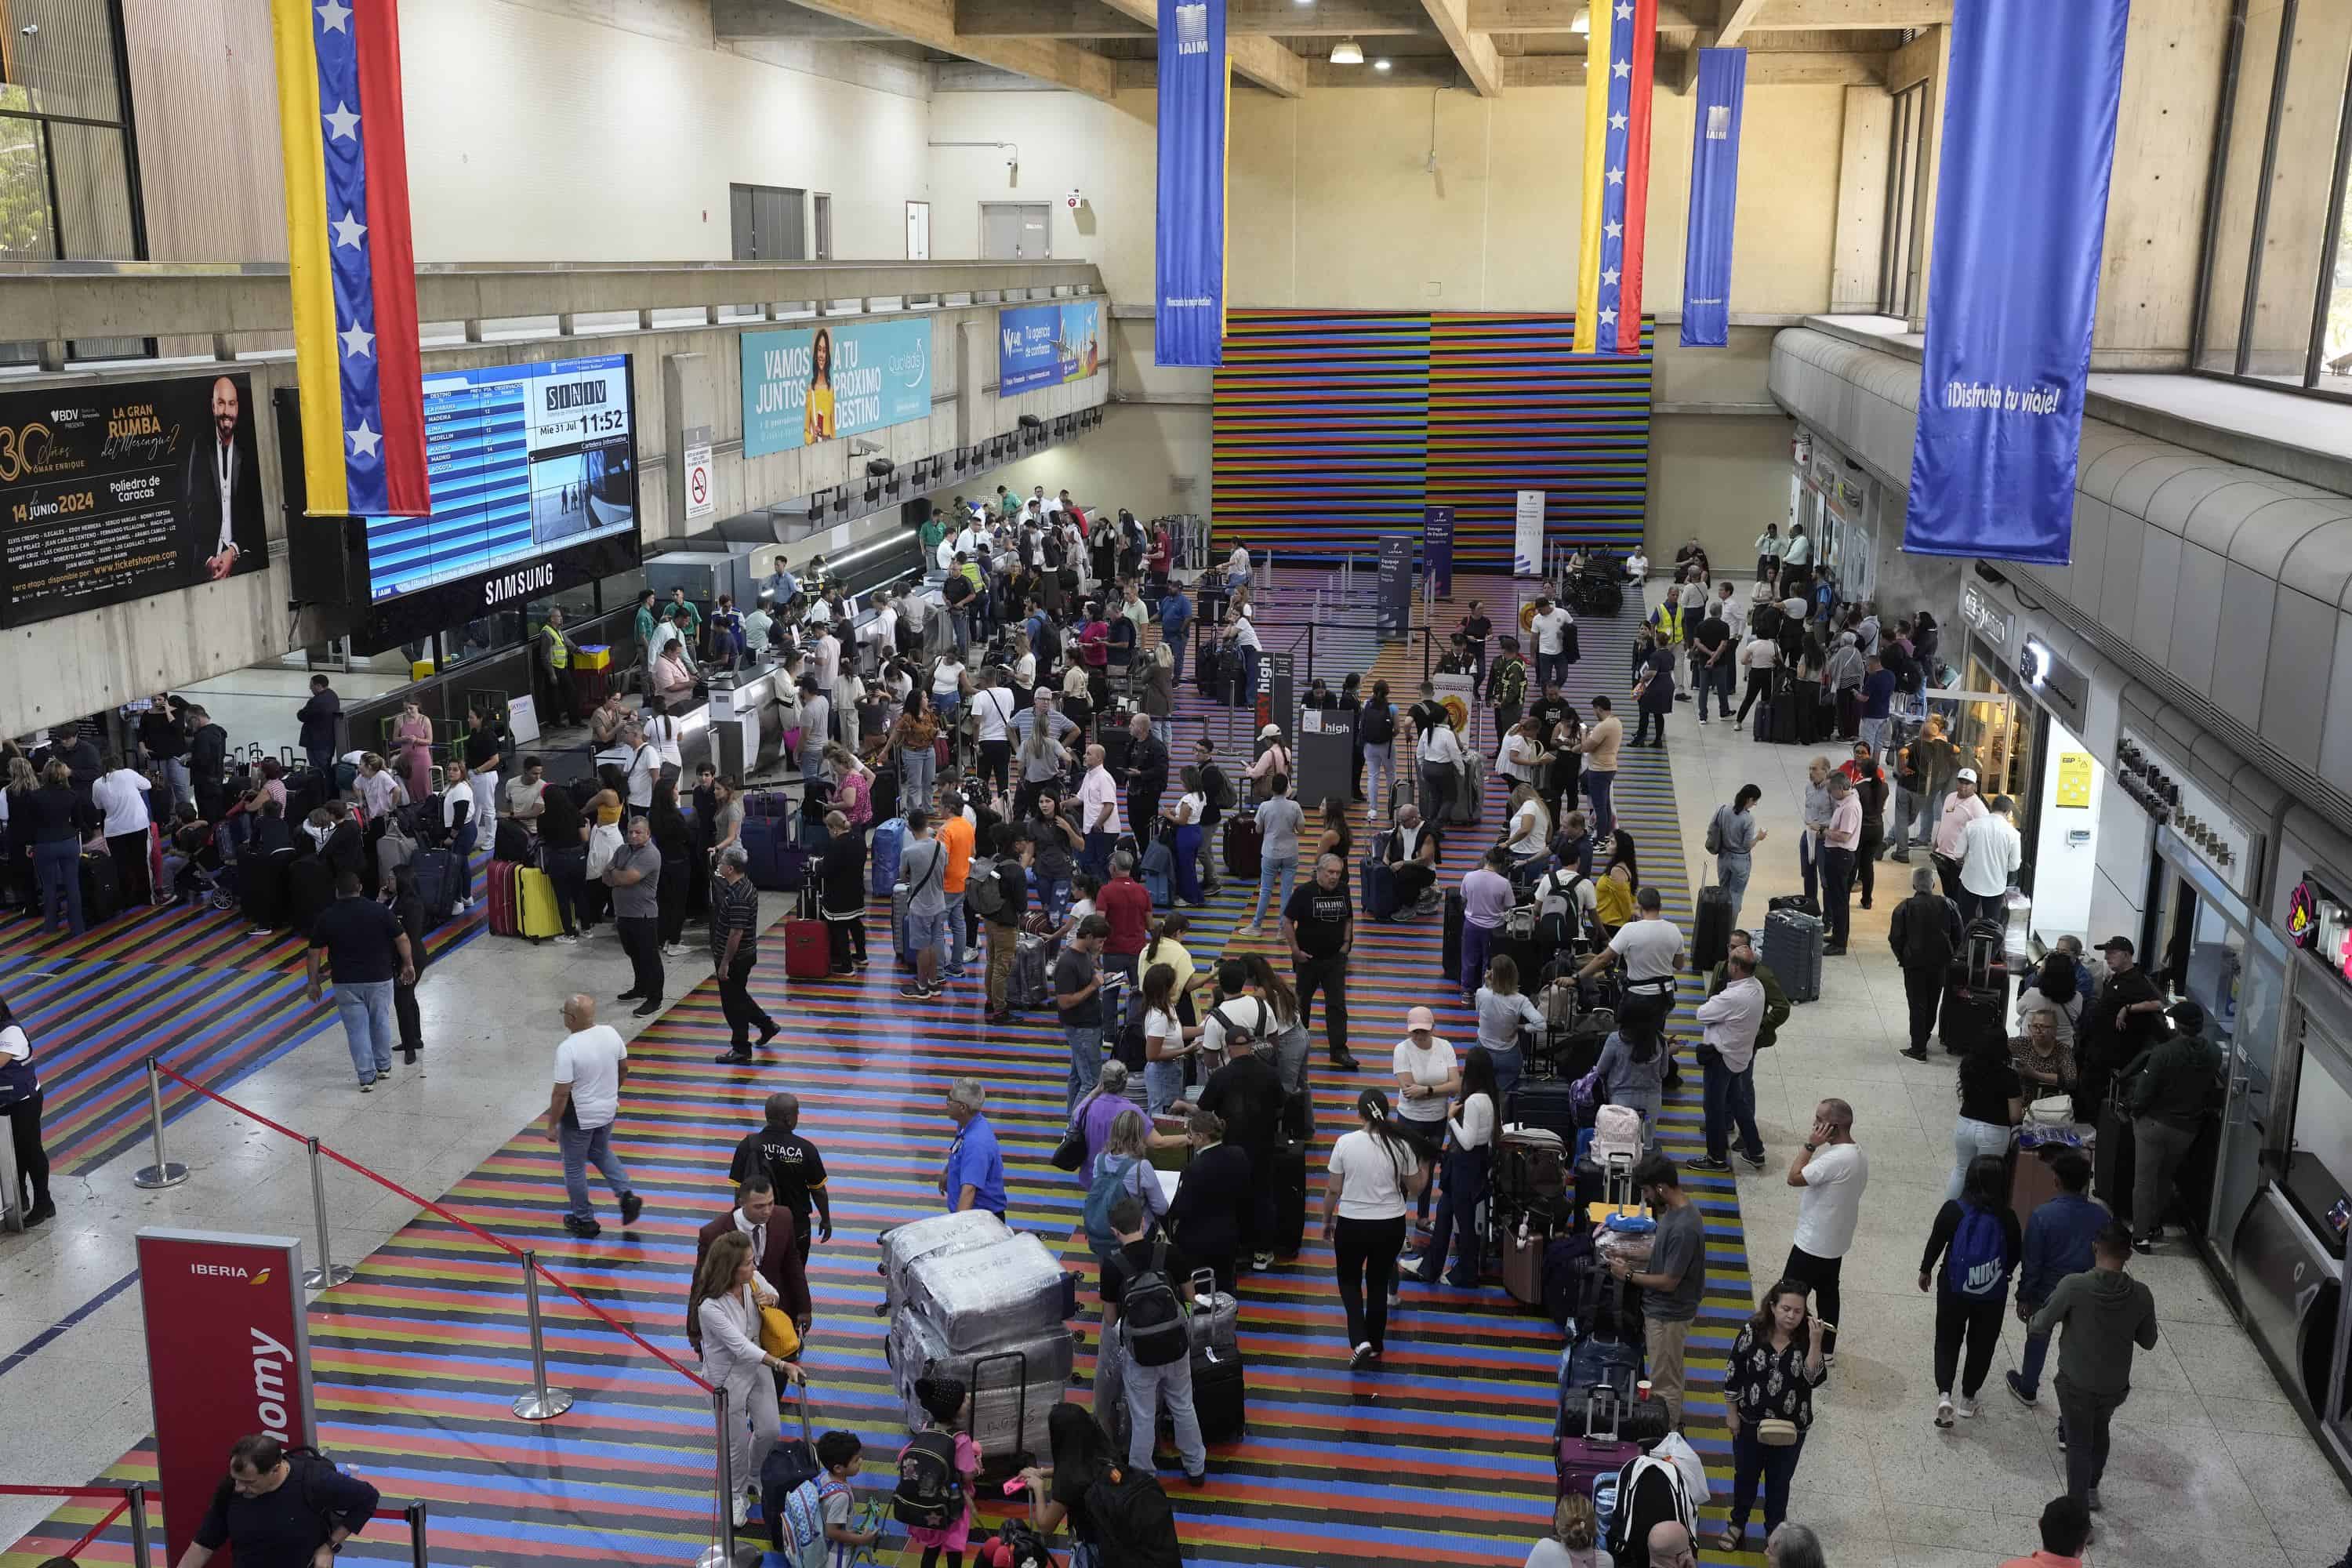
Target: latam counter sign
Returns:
[[228, 1357], [1045, 345]]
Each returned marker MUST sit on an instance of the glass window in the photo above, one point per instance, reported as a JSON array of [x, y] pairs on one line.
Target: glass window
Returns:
[[2270, 309]]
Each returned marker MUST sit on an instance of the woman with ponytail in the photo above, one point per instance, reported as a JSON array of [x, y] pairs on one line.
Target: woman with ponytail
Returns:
[[1376, 1172]]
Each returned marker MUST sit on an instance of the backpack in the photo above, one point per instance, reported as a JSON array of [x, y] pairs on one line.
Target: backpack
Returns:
[[1976, 1266], [1235, 1034], [1112, 1177], [1715, 834], [1559, 911], [804, 1511], [1650, 1491], [1134, 1526], [1378, 725], [1218, 787], [930, 1489], [983, 890], [301, 1462], [1151, 1318]]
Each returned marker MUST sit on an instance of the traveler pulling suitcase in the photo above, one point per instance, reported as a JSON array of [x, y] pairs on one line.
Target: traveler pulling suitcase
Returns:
[[1711, 930], [808, 949], [1243, 847]]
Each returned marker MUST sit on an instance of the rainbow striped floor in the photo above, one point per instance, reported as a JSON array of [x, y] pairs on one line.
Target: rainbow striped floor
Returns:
[[1444, 1458]]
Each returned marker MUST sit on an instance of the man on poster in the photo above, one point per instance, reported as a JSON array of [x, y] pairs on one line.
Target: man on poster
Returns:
[[223, 491]]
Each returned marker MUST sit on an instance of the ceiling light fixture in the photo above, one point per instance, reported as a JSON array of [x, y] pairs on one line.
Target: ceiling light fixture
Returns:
[[1584, 23], [1380, 65], [1347, 52]]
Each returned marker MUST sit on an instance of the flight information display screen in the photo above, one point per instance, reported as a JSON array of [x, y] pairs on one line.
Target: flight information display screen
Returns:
[[525, 461]]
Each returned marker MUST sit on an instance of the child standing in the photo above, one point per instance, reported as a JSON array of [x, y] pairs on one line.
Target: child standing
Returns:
[[820, 1509], [935, 1473]]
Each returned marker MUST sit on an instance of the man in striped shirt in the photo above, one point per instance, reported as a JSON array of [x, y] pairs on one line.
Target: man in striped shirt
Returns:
[[734, 949]]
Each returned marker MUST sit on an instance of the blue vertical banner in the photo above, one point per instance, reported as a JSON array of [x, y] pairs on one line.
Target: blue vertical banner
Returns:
[[2014, 278], [1189, 324], [1714, 199], [1437, 547]]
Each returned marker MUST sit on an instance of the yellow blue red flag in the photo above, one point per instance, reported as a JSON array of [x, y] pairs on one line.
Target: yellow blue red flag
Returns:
[[1619, 53]]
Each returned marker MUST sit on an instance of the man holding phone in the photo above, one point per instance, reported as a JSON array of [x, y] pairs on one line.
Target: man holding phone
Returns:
[[1832, 1171]]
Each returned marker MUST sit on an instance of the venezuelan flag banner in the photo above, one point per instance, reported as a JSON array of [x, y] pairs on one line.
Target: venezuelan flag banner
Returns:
[[354, 273], [1619, 53]]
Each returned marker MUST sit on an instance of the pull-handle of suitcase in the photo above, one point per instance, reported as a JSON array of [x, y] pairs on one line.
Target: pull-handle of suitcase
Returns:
[[1204, 1282], [1601, 1402], [1618, 1180], [1020, 1360]]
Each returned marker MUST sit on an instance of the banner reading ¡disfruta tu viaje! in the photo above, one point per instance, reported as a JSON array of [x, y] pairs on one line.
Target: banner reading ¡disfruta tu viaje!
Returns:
[[2014, 279], [1714, 199], [1189, 324]]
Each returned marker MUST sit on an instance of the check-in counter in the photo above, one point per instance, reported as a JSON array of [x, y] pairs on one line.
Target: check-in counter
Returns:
[[737, 727]]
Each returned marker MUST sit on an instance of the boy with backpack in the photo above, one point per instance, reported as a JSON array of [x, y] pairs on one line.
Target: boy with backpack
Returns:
[[818, 1511], [1144, 1314], [935, 1468]]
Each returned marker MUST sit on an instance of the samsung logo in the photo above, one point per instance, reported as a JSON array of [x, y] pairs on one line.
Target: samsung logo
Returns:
[[515, 584], [576, 395]]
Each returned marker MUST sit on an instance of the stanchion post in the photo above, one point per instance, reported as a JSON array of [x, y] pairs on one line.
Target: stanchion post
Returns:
[[543, 1403], [721, 1551], [164, 1173], [11, 1196], [135, 1493], [416, 1558], [329, 1271]]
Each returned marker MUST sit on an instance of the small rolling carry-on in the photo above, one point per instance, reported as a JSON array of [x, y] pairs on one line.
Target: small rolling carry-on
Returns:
[[1600, 1450], [808, 949]]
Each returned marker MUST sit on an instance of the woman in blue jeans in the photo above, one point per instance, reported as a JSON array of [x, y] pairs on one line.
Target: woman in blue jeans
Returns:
[[1468, 1160], [55, 819], [1774, 1367]]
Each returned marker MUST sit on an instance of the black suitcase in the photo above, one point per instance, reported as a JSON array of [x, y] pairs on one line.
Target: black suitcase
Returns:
[[1789, 704], [1969, 1017], [1642, 1421], [1451, 957], [1220, 1395], [1544, 1102], [102, 889], [1289, 1199], [1711, 930], [261, 888], [1985, 953], [310, 887]]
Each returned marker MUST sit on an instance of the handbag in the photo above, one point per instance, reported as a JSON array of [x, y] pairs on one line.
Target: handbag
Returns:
[[2051, 1110], [1071, 1152], [1777, 1432], [779, 1335]]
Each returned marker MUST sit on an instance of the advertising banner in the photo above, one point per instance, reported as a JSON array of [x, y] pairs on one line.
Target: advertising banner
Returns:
[[1437, 546], [2016, 278], [1527, 536], [1045, 345], [228, 1357], [1394, 611], [115, 492], [817, 384], [1189, 323], [1714, 199]]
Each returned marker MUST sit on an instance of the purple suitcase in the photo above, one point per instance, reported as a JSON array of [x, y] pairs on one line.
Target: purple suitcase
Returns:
[[1599, 1452]]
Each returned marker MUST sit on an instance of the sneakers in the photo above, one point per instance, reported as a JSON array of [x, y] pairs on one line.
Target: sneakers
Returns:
[[1917, 1053], [2091, 1500], [2144, 1244], [1362, 1357], [564, 939], [1943, 1412], [585, 1229], [913, 991], [2017, 1390], [1249, 930], [1709, 1164], [1967, 1408], [1345, 1061], [367, 1086], [2062, 1437], [1755, 1162], [1196, 1478], [1396, 1298], [673, 950], [632, 1207], [735, 1058], [1262, 1261]]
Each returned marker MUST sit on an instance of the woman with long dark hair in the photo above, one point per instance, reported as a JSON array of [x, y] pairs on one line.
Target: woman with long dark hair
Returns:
[[1976, 1240], [819, 422], [1376, 1172], [20, 1102], [1057, 1493], [1468, 1158], [1992, 1101], [676, 845], [1775, 1364], [914, 736]]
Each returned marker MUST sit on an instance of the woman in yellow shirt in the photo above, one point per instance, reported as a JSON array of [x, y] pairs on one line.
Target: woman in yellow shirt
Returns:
[[817, 424], [1612, 899]]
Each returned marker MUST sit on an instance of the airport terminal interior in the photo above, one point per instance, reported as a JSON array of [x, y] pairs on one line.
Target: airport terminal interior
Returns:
[[543, 542]]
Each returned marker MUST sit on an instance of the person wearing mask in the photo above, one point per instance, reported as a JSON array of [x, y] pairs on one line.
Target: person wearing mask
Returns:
[[1733, 835], [1675, 1281], [725, 1304], [20, 1102], [1975, 1239], [2170, 1088], [1731, 1018], [1990, 855], [1965, 807], [1374, 1171], [1600, 745], [1775, 1364], [1841, 845], [633, 875], [1830, 1172], [1926, 933], [119, 795], [1487, 898], [280, 1508], [1466, 1161], [1319, 927], [1279, 819], [366, 951], [2059, 1242], [321, 722]]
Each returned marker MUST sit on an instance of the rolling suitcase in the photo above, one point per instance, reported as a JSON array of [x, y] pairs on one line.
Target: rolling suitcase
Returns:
[[2113, 1157], [1289, 1198], [1469, 791], [1985, 954], [1215, 1319], [535, 904], [512, 842], [1791, 702], [1968, 1016], [441, 882], [1450, 947], [1032, 963], [101, 891], [1220, 1394], [1711, 930], [1243, 845], [1547, 1103], [900, 943], [505, 918], [808, 948], [1792, 946], [1644, 1422], [888, 839], [1379, 894], [261, 888], [1600, 1450], [764, 848], [1524, 1240]]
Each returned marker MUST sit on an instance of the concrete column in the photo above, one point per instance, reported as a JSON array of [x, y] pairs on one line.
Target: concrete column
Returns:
[[973, 341], [1933, 50], [1861, 200], [690, 400]]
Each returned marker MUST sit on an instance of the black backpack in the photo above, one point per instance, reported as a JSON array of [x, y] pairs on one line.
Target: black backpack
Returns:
[[1378, 725], [1151, 1322], [1133, 1524], [930, 1488]]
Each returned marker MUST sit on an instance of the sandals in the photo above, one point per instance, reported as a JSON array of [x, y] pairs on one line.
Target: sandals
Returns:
[[1728, 1542]]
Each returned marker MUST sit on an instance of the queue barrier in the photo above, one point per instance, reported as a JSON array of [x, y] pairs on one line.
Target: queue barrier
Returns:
[[136, 1496]]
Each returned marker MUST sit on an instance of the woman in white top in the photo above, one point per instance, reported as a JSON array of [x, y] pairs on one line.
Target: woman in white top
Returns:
[[661, 730], [379, 787], [1024, 670], [950, 684], [727, 1299], [1427, 1073], [1167, 1040], [20, 1102], [1185, 816], [1523, 752], [1469, 1156], [1529, 833], [1374, 1171]]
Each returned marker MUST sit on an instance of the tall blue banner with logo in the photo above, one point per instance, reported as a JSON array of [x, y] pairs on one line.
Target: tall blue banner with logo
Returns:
[[1714, 199], [2014, 278], [1189, 326], [1437, 546]]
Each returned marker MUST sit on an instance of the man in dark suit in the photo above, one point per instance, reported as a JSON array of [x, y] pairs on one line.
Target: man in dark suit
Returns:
[[773, 1252], [222, 489]]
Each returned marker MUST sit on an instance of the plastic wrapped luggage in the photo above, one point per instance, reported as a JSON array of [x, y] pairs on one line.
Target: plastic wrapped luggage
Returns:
[[1006, 1291], [917, 1348], [1032, 969], [1792, 946], [943, 1235]]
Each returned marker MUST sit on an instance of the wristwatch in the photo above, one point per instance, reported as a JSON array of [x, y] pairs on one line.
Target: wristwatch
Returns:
[[1810, 1147]]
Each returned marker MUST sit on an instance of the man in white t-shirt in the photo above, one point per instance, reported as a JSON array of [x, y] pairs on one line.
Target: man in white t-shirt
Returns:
[[591, 1065], [1650, 947], [1832, 1171], [1550, 628]]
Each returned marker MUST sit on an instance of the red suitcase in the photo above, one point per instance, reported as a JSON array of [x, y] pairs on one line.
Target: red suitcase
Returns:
[[1599, 1452], [505, 906], [808, 947]]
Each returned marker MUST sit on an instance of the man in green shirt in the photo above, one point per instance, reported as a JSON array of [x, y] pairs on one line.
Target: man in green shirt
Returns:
[[1775, 1001], [2171, 1087], [645, 629], [692, 627], [933, 531]]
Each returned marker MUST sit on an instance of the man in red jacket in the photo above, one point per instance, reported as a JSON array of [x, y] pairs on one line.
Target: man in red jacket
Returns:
[[773, 1252]]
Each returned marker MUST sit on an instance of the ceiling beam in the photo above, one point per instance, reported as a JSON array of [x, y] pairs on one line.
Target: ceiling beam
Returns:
[[1766, 69], [1096, 19], [1255, 58], [931, 23], [1044, 19], [1555, 17], [1473, 51], [1739, 15], [750, 21], [1853, 14]]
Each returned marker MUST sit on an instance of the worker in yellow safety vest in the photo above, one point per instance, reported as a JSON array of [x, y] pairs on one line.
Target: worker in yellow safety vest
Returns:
[[555, 666]]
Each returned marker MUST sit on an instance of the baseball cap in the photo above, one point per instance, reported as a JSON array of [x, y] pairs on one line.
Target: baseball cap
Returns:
[[2117, 944], [1269, 732], [2186, 1016], [1966, 776], [1421, 1018]]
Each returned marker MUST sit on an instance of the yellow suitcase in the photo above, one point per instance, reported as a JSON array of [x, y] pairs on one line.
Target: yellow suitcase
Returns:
[[535, 896]]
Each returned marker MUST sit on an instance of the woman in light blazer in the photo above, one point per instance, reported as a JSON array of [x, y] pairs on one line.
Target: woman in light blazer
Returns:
[[726, 1303]]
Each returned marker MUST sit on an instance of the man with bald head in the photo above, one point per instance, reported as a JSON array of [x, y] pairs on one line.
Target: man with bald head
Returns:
[[1098, 812], [221, 491], [1670, 1547], [591, 1065]]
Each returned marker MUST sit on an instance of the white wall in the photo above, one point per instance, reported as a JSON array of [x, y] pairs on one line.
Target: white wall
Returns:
[[534, 134]]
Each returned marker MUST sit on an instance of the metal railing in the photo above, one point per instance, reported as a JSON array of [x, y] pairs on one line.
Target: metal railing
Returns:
[[137, 1495]]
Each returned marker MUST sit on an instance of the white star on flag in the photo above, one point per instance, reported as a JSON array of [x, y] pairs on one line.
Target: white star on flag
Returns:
[[1616, 122], [333, 15], [1624, 12], [1616, 176], [1609, 276], [341, 123], [1608, 317], [358, 341], [348, 230], [363, 440], [1624, 68], [1614, 231]]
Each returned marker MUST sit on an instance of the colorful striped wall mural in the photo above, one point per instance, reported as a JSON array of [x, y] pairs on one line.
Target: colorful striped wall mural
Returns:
[[1332, 427]]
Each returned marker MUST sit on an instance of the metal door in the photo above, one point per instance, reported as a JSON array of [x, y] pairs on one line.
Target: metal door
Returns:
[[1015, 231], [767, 223], [918, 231]]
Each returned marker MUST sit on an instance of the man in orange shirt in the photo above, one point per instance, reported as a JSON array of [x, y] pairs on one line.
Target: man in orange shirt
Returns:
[[956, 837], [2066, 1531]]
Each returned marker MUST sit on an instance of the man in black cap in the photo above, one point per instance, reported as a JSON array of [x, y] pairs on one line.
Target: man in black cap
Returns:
[[2170, 1088], [2121, 1024]]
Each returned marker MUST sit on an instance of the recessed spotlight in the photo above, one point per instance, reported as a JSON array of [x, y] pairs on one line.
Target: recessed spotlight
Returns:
[[1347, 52], [1380, 65]]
